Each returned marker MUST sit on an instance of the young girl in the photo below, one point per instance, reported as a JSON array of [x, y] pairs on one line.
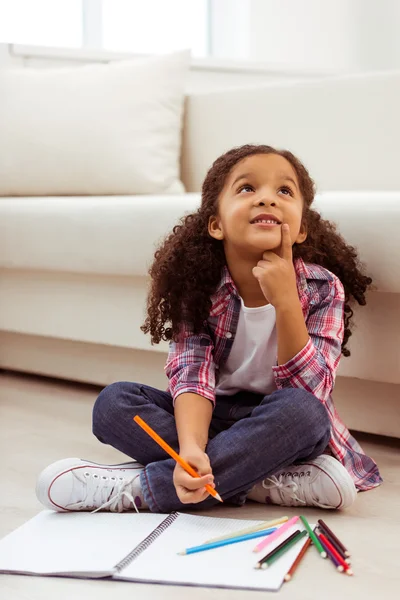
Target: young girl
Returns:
[[254, 293]]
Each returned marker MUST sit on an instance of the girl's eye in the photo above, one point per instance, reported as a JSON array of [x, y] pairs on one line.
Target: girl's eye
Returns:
[[245, 188], [287, 191]]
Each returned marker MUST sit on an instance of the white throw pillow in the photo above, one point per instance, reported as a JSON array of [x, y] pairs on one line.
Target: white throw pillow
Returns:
[[94, 129]]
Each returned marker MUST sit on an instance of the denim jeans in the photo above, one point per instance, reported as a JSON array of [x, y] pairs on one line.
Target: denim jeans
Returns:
[[251, 437]]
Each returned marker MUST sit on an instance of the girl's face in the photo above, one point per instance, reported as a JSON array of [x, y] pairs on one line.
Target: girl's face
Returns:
[[262, 184]]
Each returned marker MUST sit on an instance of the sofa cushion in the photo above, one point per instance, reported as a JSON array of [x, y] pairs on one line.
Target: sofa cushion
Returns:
[[95, 129], [344, 128], [88, 234], [118, 235]]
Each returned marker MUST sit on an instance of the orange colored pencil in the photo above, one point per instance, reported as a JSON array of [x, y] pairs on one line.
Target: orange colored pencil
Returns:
[[174, 455]]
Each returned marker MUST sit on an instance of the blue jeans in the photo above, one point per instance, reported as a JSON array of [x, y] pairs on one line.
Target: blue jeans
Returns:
[[251, 437]]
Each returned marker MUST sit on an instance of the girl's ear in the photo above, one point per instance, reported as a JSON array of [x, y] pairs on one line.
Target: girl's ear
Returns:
[[215, 228], [302, 235]]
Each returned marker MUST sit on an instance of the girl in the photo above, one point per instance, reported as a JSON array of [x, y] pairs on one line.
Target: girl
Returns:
[[254, 293]]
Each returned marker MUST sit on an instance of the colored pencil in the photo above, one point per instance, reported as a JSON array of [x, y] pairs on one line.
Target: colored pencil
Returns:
[[174, 455], [335, 562], [313, 537], [235, 540], [296, 563], [332, 550], [265, 525], [334, 544], [281, 545], [276, 535], [323, 526], [268, 561]]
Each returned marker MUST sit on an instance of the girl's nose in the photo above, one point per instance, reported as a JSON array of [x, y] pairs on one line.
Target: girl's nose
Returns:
[[266, 196], [265, 201]]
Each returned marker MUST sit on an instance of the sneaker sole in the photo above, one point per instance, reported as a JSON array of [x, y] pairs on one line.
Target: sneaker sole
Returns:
[[337, 472], [55, 470]]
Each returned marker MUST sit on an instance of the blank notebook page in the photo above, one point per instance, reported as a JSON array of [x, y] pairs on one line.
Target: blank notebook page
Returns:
[[228, 566], [74, 543]]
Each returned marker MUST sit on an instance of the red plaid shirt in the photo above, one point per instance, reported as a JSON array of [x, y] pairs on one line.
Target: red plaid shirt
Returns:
[[193, 362]]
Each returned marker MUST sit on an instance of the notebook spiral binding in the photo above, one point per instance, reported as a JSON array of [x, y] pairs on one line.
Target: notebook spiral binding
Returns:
[[144, 544]]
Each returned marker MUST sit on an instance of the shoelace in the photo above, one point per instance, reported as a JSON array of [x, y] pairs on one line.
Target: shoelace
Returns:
[[111, 492], [290, 486]]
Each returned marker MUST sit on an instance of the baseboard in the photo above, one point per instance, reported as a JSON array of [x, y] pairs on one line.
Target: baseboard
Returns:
[[79, 361], [369, 406]]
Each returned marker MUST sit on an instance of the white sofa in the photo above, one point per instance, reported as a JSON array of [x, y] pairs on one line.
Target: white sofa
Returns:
[[73, 269]]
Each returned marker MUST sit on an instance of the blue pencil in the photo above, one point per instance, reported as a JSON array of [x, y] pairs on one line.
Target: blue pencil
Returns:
[[234, 540]]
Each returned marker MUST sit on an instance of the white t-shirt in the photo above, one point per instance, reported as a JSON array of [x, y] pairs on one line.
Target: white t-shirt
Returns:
[[253, 353]]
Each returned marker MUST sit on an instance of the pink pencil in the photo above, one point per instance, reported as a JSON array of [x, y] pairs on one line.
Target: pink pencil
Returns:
[[274, 536]]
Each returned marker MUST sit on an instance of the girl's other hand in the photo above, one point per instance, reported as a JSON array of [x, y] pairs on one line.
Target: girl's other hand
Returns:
[[191, 490]]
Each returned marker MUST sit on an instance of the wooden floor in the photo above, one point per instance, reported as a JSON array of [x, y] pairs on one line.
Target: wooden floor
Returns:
[[42, 421]]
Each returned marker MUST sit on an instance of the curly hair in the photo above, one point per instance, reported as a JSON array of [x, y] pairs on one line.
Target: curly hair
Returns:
[[188, 265]]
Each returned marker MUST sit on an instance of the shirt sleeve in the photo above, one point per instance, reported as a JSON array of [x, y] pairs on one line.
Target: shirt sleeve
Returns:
[[314, 367], [190, 366]]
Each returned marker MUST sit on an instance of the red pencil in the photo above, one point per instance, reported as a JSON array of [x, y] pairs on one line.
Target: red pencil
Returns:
[[334, 544], [328, 532], [336, 554]]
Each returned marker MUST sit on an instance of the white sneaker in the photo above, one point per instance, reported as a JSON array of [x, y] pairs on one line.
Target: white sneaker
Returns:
[[74, 484], [321, 482]]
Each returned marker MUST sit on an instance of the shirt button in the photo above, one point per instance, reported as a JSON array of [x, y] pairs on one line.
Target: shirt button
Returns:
[[228, 334]]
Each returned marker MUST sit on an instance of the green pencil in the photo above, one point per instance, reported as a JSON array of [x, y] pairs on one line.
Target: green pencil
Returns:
[[313, 537], [278, 554]]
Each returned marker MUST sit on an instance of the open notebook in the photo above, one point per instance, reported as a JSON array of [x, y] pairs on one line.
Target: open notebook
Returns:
[[140, 547]]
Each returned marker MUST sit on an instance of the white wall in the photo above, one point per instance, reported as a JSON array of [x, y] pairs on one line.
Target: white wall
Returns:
[[339, 36], [376, 28], [302, 33]]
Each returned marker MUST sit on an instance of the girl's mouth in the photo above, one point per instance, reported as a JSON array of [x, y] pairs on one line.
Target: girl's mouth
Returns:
[[266, 224]]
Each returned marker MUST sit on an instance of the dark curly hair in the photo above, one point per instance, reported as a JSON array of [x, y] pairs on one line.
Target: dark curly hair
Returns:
[[188, 265]]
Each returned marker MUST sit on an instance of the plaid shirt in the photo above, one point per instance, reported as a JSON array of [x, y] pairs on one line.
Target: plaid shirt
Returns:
[[193, 362]]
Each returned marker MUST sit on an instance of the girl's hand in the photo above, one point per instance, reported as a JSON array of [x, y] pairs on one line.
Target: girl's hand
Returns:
[[190, 490], [276, 274]]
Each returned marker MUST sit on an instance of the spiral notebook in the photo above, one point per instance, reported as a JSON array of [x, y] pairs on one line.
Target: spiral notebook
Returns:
[[141, 548]]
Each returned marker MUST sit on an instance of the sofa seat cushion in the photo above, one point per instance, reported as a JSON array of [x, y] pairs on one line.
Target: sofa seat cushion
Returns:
[[117, 235], [104, 235]]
